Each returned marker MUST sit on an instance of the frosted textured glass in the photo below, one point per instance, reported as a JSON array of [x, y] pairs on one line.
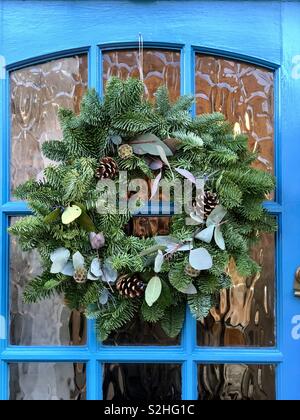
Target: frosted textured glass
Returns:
[[245, 315], [161, 67], [47, 381], [48, 322], [244, 94], [236, 382], [37, 92], [142, 382]]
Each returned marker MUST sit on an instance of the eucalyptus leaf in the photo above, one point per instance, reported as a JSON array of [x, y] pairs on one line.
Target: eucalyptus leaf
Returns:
[[78, 260], [197, 219], [86, 222], [153, 290], [216, 216], [152, 250], [51, 284], [60, 254], [146, 143], [155, 185], [70, 214], [68, 269], [172, 244], [163, 157], [57, 267], [165, 240], [159, 260], [219, 238], [110, 275], [53, 216], [59, 260], [96, 268], [115, 139], [90, 276], [156, 164], [206, 234], [186, 174], [200, 259], [186, 247], [103, 299], [190, 290]]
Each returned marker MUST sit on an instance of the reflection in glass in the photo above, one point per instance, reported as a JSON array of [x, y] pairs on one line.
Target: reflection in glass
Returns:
[[37, 92], [139, 332], [49, 322], [245, 315], [47, 381], [159, 67], [244, 94], [142, 382], [236, 382]]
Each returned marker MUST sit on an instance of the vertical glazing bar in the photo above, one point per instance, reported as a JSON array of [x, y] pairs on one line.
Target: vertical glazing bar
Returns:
[[189, 374], [4, 385], [94, 380], [92, 369], [189, 377], [189, 380], [4, 188]]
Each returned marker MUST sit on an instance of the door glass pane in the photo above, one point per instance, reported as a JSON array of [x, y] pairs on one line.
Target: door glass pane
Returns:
[[244, 94], [142, 382], [139, 332], [36, 94], [160, 67], [245, 314], [47, 381], [49, 322], [236, 382]]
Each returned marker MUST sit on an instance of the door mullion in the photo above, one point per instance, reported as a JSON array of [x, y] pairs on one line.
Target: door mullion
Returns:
[[4, 383], [189, 368], [189, 336], [93, 375], [4, 194], [94, 380]]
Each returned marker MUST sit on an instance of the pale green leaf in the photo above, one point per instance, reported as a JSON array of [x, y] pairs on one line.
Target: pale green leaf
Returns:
[[70, 214], [153, 290], [200, 259]]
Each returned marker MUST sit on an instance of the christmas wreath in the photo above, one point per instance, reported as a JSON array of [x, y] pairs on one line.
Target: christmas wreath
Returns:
[[92, 257]]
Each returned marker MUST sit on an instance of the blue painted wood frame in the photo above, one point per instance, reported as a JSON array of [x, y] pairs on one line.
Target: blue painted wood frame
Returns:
[[262, 32]]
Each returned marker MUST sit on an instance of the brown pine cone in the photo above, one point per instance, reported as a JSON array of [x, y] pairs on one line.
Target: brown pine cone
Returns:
[[107, 168], [130, 285], [205, 204]]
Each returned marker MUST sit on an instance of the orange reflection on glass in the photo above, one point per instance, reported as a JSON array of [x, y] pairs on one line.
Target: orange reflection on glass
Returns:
[[244, 94], [160, 67], [245, 315]]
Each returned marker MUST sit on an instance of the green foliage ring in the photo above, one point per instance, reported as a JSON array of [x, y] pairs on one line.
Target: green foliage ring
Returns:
[[205, 146]]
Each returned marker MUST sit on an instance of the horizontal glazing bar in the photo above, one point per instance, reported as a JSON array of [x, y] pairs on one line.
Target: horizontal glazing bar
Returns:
[[143, 354], [237, 355], [16, 207], [273, 207], [46, 354], [21, 207]]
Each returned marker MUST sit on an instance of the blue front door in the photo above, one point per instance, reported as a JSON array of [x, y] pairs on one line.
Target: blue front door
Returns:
[[240, 58]]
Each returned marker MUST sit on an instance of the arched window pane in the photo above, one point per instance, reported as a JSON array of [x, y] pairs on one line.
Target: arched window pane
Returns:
[[37, 92]]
